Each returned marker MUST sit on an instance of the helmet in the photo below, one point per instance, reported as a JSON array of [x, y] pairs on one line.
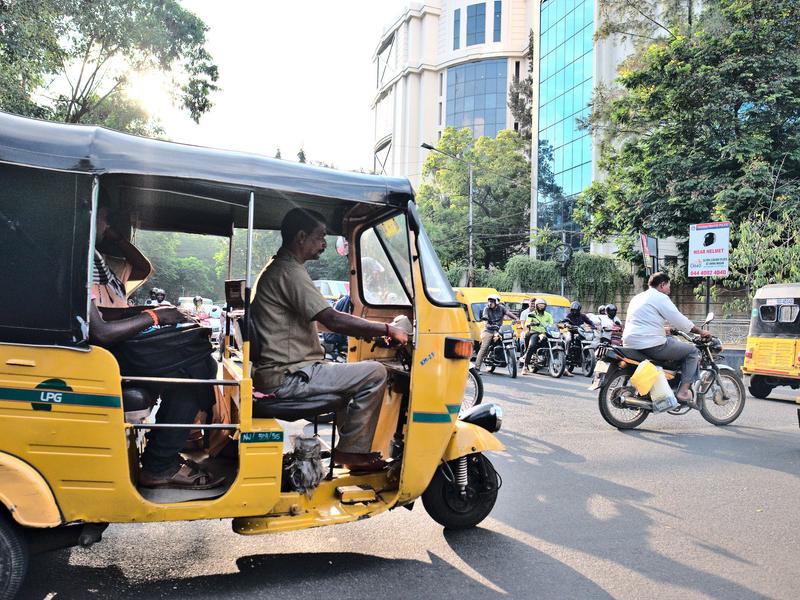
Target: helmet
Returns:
[[611, 311], [540, 301], [601, 309], [575, 307], [153, 292], [197, 299], [494, 297]]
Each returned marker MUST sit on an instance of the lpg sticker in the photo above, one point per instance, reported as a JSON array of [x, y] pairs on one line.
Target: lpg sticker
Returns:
[[425, 360]]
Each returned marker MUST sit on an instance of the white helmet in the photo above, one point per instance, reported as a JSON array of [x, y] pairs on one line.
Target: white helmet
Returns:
[[494, 297], [540, 301]]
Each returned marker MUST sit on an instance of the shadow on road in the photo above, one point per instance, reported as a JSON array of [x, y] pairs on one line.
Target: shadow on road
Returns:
[[598, 517]]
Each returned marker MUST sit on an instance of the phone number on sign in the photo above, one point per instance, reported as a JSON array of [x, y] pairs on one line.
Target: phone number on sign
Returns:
[[709, 273]]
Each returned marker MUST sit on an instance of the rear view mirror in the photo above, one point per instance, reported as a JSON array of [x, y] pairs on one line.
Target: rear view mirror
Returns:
[[710, 317]]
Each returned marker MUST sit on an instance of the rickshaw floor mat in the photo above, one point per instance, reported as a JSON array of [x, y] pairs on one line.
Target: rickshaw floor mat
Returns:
[[215, 466]]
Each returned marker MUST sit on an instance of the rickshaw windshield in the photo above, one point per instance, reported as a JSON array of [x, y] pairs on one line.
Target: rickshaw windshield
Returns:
[[385, 265], [437, 286]]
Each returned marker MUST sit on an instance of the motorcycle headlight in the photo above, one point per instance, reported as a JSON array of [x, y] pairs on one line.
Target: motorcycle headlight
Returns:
[[507, 335], [488, 416], [715, 345]]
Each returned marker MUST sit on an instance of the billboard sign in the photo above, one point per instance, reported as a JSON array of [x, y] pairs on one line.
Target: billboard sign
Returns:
[[709, 247]]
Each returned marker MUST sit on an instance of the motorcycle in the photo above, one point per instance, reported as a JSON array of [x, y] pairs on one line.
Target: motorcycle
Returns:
[[580, 350], [473, 392], [501, 351], [550, 355], [609, 336], [718, 394]]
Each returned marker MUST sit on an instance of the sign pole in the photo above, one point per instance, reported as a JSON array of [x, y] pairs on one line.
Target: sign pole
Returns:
[[708, 295]]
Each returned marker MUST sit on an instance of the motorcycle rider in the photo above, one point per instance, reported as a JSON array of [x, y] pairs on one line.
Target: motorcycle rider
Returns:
[[609, 321], [535, 323], [575, 317], [493, 313], [647, 314]]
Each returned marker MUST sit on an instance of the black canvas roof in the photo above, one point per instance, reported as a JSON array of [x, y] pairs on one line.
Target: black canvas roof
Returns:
[[191, 188]]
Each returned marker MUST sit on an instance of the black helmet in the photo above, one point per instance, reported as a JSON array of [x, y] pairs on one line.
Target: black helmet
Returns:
[[611, 310], [575, 307]]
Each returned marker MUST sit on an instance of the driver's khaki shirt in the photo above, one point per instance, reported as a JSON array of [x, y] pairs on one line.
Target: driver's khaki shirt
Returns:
[[283, 308]]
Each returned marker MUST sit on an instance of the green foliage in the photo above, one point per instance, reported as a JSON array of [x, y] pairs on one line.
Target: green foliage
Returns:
[[768, 251], [90, 49], [501, 197], [703, 124], [595, 276], [533, 275]]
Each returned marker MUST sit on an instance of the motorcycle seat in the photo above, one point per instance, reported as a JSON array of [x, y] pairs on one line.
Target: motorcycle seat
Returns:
[[630, 353]]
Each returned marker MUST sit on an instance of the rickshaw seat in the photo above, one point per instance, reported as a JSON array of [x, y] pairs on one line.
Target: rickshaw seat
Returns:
[[267, 406]]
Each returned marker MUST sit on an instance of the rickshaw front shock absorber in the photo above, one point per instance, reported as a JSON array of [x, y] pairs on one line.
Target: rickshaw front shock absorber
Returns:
[[461, 475]]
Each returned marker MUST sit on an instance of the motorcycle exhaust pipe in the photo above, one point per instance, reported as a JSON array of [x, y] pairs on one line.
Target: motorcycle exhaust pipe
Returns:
[[628, 401]]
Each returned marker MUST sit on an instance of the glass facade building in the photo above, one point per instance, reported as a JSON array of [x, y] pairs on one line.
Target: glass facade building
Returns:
[[565, 90], [476, 96]]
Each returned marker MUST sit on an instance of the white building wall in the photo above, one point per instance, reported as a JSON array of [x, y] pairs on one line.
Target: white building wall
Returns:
[[423, 51]]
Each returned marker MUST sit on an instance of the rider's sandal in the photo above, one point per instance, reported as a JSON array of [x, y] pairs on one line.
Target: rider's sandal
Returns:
[[188, 477]]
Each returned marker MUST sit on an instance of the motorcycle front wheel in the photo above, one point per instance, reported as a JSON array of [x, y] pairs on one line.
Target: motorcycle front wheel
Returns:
[[613, 411], [473, 393], [558, 362], [720, 411], [511, 362], [447, 505], [588, 363]]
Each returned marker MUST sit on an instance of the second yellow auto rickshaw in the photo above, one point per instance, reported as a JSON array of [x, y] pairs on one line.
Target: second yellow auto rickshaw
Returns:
[[772, 355], [69, 442]]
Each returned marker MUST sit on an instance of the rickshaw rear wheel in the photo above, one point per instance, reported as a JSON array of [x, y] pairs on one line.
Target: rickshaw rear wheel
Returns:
[[13, 558], [758, 387], [444, 501]]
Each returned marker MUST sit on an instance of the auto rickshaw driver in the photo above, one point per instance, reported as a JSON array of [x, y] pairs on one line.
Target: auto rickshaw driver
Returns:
[[286, 306]]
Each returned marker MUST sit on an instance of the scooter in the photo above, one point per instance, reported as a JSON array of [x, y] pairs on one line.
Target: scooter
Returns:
[[501, 351]]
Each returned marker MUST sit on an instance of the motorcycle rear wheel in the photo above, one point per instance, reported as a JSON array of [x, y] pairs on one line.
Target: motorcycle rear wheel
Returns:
[[558, 362], [611, 410], [715, 413]]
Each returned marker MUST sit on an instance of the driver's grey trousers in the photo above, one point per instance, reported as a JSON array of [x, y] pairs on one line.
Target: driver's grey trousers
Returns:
[[363, 382], [673, 351]]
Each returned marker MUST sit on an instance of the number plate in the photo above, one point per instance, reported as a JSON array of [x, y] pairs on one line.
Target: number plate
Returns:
[[602, 367]]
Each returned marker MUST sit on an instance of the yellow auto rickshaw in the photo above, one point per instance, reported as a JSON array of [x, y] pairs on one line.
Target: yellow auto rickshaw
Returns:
[[772, 355], [69, 445]]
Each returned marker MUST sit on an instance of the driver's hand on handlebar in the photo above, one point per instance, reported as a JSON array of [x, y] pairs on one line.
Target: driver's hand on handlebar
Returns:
[[169, 315], [705, 334], [397, 334]]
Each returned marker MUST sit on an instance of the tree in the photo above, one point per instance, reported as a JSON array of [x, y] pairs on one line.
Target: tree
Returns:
[[501, 197], [70, 60], [701, 127]]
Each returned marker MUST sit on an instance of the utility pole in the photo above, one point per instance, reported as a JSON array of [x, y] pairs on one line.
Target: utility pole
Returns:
[[471, 265]]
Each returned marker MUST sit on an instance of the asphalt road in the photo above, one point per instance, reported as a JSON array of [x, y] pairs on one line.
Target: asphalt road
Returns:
[[675, 509]]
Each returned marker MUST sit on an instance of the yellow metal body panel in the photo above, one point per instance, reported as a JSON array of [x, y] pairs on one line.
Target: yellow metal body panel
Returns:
[[26, 495], [78, 440], [468, 439], [772, 356]]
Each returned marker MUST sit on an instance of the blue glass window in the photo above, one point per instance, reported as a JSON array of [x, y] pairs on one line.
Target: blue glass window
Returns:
[[457, 29], [565, 89], [498, 13], [478, 103], [476, 24]]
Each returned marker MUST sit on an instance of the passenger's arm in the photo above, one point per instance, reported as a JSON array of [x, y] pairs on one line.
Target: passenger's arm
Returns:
[[340, 322], [107, 333]]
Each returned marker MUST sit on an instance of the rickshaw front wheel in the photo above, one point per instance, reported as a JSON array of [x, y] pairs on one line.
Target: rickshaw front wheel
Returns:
[[454, 508], [13, 558]]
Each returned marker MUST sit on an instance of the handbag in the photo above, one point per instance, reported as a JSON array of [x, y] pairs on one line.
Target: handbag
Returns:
[[163, 350]]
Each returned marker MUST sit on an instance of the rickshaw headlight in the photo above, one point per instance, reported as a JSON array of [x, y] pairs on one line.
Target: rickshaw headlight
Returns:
[[487, 416]]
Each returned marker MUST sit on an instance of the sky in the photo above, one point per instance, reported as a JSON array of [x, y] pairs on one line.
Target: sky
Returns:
[[293, 74]]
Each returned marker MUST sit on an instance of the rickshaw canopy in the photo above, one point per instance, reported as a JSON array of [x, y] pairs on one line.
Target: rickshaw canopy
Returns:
[[146, 173]]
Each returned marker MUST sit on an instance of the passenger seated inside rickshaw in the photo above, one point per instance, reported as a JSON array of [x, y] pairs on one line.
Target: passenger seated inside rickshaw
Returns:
[[289, 368], [184, 353]]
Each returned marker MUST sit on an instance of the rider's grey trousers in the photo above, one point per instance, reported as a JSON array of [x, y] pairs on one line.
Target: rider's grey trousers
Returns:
[[673, 351]]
